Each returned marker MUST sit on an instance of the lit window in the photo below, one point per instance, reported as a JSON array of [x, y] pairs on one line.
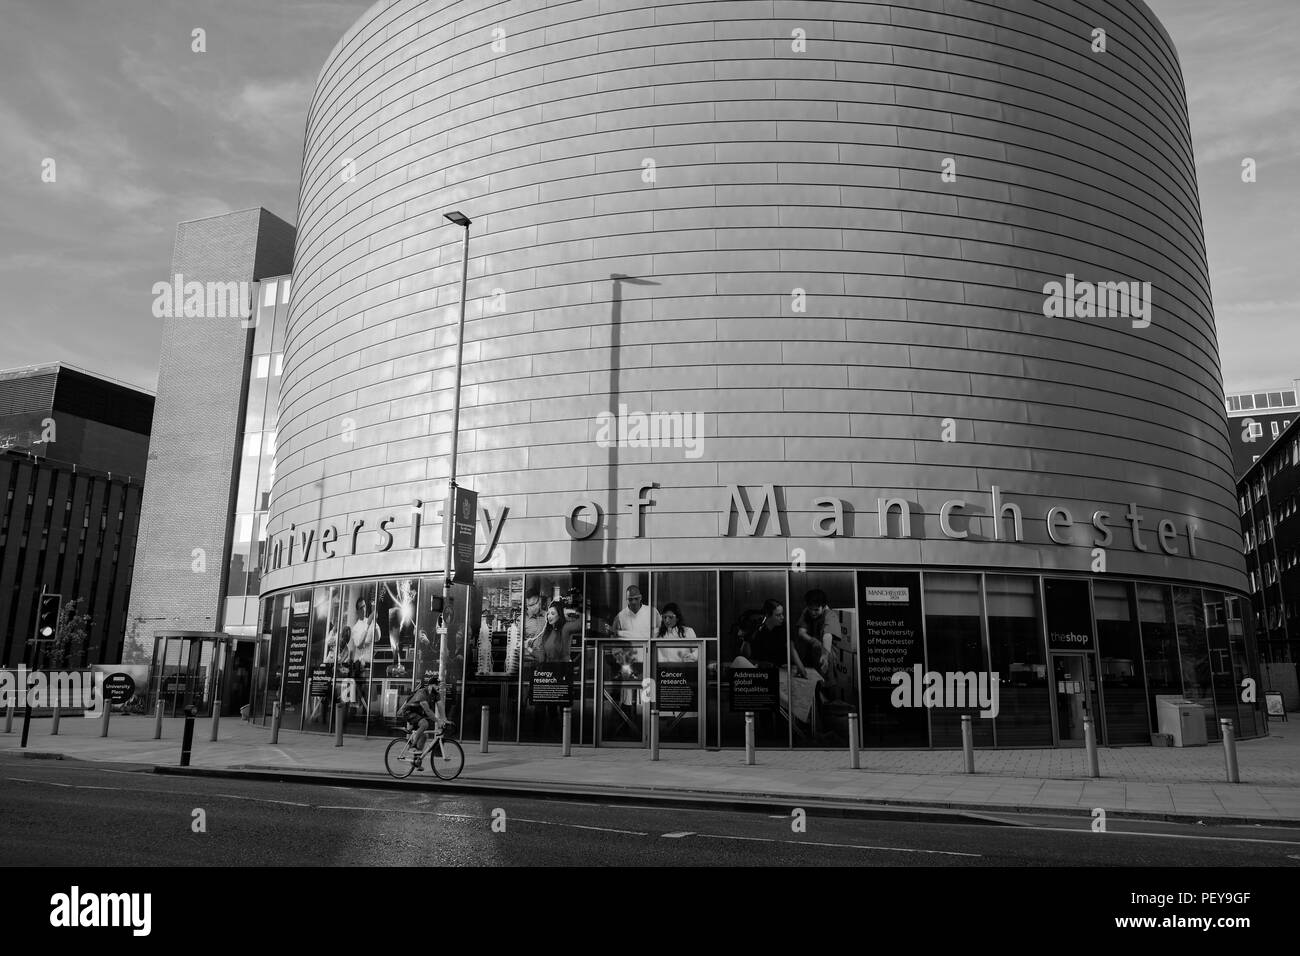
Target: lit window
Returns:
[[279, 367], [262, 366], [1272, 424], [243, 527], [284, 294], [252, 442], [1257, 431], [268, 294], [270, 443]]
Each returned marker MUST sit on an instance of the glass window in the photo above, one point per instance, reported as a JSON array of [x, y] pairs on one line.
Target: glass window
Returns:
[[279, 626], [892, 642], [756, 637], [1245, 662], [1194, 652], [1016, 652], [268, 294], [1274, 399], [620, 606], [552, 654], [1247, 402], [494, 651], [261, 366], [1159, 646], [955, 650], [1273, 426], [1234, 403], [1288, 398], [252, 444], [393, 662], [357, 650], [1261, 400], [279, 363], [693, 597], [824, 644], [284, 291], [295, 659], [321, 652], [1120, 646], [440, 647]]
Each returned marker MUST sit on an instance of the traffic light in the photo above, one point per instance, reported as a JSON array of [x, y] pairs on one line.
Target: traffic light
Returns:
[[47, 618]]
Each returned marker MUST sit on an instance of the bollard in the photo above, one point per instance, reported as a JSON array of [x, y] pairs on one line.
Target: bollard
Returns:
[[275, 722], [968, 742], [1090, 741], [484, 717], [187, 738], [27, 720], [566, 744], [54, 725], [855, 762], [1230, 751], [749, 738], [654, 734], [157, 720], [9, 717], [216, 719], [340, 718], [103, 717]]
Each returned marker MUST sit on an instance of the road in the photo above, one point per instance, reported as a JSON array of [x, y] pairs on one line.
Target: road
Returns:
[[70, 813]]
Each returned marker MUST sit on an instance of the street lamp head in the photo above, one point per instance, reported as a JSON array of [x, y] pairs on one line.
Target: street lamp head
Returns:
[[459, 218]]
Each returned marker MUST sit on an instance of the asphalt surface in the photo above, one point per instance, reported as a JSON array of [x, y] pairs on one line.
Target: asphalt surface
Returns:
[[71, 813]]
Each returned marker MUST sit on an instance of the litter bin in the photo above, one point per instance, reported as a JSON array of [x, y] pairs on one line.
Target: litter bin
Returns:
[[1184, 720]]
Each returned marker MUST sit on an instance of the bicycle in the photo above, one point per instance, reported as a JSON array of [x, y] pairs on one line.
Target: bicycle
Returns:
[[445, 756]]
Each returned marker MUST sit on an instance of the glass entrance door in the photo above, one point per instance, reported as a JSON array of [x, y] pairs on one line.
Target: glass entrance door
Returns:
[[1075, 698], [679, 687], [620, 708]]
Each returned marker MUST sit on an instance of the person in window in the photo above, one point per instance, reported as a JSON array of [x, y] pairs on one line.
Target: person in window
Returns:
[[768, 641], [636, 621], [553, 643], [535, 620], [815, 633], [672, 626]]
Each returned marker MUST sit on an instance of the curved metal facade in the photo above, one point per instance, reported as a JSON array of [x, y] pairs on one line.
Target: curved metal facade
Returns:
[[652, 186]]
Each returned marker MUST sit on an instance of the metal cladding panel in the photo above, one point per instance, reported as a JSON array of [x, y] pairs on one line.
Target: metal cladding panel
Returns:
[[739, 210]]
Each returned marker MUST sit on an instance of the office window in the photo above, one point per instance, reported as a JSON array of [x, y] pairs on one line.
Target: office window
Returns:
[[252, 442], [1272, 425], [1261, 400], [1274, 399], [268, 294], [1256, 431], [284, 292], [279, 367], [261, 366], [1288, 398], [1234, 403]]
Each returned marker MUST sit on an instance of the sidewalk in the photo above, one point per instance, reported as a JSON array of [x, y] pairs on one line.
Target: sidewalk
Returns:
[[1140, 781]]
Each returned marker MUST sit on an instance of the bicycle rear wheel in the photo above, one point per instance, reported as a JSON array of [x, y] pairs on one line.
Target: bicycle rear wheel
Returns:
[[447, 759], [397, 758]]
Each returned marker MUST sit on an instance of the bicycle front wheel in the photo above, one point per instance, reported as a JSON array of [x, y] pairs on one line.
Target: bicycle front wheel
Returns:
[[447, 759], [397, 758]]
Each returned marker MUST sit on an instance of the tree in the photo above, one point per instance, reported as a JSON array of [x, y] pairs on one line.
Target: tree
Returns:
[[69, 644]]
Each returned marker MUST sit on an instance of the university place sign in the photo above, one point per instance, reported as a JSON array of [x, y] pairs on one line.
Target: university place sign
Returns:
[[739, 518]]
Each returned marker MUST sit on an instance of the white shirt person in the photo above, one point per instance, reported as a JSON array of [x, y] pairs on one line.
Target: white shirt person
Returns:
[[636, 621]]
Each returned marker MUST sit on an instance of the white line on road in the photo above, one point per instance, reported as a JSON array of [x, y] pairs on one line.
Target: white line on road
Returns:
[[843, 846], [1165, 836], [677, 836], [577, 826], [288, 803], [418, 813]]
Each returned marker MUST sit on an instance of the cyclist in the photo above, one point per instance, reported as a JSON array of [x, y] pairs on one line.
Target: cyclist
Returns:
[[421, 709]]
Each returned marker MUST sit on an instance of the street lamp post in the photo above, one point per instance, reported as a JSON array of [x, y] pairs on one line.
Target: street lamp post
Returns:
[[448, 516]]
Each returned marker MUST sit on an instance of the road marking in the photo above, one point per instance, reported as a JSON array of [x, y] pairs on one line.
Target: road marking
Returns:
[[418, 813], [843, 846], [677, 836], [577, 826], [1167, 836], [288, 803]]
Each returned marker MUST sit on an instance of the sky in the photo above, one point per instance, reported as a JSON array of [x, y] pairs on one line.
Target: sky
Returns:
[[146, 133]]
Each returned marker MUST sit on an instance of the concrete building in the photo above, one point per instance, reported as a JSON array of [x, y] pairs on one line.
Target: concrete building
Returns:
[[72, 468], [1257, 418], [819, 359]]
